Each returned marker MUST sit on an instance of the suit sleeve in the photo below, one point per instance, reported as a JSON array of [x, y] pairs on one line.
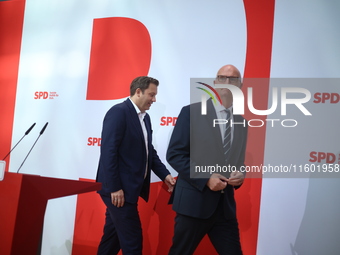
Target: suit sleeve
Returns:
[[178, 153], [114, 126], [156, 164], [158, 167]]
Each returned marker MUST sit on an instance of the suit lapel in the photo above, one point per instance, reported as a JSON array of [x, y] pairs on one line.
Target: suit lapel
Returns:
[[149, 132], [211, 115], [135, 119], [148, 127]]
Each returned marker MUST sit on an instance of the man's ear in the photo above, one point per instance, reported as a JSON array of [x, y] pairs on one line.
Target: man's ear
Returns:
[[138, 92]]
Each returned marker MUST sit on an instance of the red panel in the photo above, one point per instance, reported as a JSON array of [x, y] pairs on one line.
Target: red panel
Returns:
[[11, 201], [120, 51], [11, 23], [260, 21], [23, 199]]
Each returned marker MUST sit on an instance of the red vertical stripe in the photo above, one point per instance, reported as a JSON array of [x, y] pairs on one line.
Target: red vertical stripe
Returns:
[[120, 51], [260, 22], [11, 24]]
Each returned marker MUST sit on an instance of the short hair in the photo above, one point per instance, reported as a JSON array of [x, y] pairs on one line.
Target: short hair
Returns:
[[142, 82]]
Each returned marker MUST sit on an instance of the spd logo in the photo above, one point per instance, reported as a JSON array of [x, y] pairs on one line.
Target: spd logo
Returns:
[[326, 157], [168, 121], [45, 95], [94, 141]]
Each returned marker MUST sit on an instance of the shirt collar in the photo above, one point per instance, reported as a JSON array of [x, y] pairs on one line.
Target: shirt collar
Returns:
[[141, 114], [220, 108]]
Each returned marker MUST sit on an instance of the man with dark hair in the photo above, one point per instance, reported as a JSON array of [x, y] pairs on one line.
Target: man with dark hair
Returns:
[[206, 205], [126, 159], [142, 82]]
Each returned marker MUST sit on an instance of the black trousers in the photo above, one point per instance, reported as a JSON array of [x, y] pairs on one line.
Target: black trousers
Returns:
[[223, 233], [122, 230]]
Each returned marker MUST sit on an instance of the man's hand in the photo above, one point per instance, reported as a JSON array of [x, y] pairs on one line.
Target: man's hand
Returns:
[[117, 198], [170, 182], [217, 182], [236, 178]]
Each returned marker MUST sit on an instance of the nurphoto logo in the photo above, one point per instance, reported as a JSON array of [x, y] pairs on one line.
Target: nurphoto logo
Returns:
[[239, 103]]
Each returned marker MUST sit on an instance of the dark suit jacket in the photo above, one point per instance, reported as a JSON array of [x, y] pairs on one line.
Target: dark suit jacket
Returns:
[[195, 142], [123, 154]]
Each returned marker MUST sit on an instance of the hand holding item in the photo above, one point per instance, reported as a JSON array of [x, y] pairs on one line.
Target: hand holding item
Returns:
[[236, 178], [217, 182]]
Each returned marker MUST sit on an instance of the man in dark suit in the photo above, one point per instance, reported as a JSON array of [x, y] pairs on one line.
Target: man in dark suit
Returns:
[[204, 202], [127, 156]]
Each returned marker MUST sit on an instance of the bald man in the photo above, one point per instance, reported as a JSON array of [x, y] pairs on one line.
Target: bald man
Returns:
[[206, 206]]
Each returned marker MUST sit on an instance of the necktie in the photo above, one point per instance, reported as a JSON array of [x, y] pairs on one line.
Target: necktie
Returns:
[[227, 137]]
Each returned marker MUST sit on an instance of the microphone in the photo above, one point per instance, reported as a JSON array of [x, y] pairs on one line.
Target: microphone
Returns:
[[43, 129], [41, 132], [26, 133]]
